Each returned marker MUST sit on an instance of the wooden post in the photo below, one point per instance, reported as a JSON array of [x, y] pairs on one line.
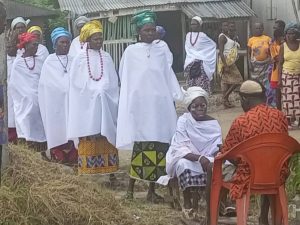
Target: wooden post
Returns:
[[246, 66], [3, 101], [183, 29]]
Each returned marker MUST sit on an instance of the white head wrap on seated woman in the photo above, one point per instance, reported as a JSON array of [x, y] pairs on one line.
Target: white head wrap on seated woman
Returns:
[[193, 93], [199, 19]]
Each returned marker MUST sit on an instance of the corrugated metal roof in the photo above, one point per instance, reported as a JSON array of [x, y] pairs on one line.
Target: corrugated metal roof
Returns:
[[15, 9], [205, 8], [219, 10]]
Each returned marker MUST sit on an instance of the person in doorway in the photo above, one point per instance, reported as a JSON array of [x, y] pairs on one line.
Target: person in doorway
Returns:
[[146, 116], [289, 75], [200, 62], [259, 54], [42, 50], [161, 32], [228, 55], [257, 119], [24, 80], [272, 89], [193, 146], [77, 45], [93, 104], [53, 94]]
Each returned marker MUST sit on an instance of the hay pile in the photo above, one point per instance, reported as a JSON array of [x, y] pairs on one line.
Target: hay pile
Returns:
[[39, 192], [36, 192]]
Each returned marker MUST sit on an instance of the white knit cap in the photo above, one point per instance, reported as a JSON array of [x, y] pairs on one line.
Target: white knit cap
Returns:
[[81, 20], [199, 19], [251, 87], [193, 93], [19, 20]]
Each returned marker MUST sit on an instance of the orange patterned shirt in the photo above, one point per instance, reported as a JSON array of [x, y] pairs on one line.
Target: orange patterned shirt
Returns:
[[260, 119]]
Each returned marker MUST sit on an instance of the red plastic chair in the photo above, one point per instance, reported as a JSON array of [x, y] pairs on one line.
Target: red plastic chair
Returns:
[[265, 154]]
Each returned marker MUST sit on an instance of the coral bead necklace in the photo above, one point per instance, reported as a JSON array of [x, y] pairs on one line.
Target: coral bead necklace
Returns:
[[26, 63], [89, 66], [191, 39]]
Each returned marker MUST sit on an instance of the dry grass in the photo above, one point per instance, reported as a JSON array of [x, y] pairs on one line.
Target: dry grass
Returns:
[[35, 192]]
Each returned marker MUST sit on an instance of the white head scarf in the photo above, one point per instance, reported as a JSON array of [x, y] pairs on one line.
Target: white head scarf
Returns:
[[19, 20], [199, 19], [81, 20], [193, 93]]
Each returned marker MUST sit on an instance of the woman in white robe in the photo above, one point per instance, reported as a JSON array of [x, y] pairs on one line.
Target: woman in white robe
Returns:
[[193, 146], [93, 104], [25, 76], [147, 116], [53, 95], [200, 62]]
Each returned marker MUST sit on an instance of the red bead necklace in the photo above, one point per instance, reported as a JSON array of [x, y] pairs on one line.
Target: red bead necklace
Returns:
[[89, 67], [191, 39], [30, 68]]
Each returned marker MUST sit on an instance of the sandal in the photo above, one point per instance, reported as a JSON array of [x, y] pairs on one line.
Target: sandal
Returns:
[[129, 196], [188, 214], [155, 198], [230, 212], [227, 211], [227, 105]]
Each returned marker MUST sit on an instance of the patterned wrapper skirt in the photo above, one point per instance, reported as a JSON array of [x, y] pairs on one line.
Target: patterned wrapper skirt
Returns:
[[290, 95], [148, 160], [187, 180], [232, 76], [270, 88], [196, 76], [260, 70], [97, 156]]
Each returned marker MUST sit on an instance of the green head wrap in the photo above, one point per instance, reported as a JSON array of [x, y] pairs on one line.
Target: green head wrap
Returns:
[[144, 17]]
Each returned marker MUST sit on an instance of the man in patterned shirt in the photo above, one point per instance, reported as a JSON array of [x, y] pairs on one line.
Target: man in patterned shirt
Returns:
[[257, 119]]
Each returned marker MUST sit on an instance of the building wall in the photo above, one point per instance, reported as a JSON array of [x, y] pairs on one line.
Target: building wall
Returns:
[[268, 11]]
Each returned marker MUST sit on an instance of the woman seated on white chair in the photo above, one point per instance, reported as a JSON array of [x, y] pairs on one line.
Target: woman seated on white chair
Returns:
[[193, 147]]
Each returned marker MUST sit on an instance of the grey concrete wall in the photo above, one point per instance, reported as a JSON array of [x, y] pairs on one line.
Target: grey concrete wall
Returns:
[[268, 11]]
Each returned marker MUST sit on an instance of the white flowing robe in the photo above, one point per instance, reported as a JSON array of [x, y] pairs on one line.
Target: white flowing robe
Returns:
[[76, 47], [196, 137], [53, 95], [24, 92], [42, 52], [10, 105], [204, 49], [93, 105], [168, 52], [148, 90]]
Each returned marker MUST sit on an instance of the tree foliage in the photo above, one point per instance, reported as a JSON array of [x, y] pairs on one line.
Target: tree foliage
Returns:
[[51, 4], [60, 20]]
